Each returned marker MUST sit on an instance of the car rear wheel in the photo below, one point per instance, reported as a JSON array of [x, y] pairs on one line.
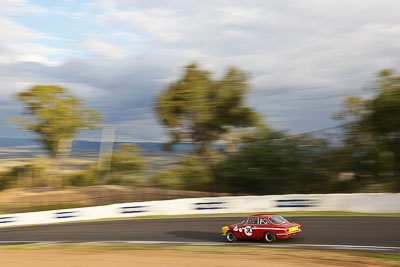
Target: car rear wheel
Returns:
[[269, 237], [230, 237]]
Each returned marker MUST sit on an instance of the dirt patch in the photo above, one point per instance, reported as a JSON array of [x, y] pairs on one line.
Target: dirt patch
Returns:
[[136, 256]]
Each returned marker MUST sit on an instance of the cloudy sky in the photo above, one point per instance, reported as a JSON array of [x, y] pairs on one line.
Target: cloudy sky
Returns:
[[303, 57]]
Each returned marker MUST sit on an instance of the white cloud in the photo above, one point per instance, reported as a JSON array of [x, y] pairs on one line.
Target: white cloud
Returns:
[[19, 42], [83, 90], [163, 24], [29, 52], [105, 49], [12, 31], [20, 7], [302, 56]]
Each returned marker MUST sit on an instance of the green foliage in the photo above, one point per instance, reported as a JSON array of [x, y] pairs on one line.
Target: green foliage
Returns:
[[168, 179], [125, 164], [120, 167], [273, 163], [199, 110], [194, 174], [56, 116], [350, 186], [362, 161], [31, 174], [126, 159], [7, 179], [384, 109], [374, 124], [191, 175], [84, 178]]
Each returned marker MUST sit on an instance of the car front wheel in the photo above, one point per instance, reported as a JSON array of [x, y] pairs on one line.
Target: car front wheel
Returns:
[[269, 237], [230, 237]]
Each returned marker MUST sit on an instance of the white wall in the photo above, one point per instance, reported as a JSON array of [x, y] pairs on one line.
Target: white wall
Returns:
[[370, 203]]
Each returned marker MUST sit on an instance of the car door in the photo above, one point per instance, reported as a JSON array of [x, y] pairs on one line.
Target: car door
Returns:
[[262, 227], [238, 230], [247, 229]]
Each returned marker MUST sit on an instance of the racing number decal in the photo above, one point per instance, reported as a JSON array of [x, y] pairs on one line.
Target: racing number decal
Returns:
[[248, 231]]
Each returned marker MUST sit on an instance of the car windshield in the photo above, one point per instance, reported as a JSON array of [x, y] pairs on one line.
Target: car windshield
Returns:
[[277, 219]]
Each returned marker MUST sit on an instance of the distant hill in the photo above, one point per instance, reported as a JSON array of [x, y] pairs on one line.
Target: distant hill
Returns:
[[8, 142], [81, 148]]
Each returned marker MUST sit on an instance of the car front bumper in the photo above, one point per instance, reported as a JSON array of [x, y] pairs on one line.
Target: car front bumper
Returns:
[[225, 229]]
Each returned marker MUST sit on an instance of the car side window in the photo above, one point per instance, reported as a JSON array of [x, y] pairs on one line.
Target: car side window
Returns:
[[252, 220], [263, 221], [244, 221]]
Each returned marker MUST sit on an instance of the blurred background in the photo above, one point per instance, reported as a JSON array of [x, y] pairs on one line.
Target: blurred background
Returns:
[[122, 101]]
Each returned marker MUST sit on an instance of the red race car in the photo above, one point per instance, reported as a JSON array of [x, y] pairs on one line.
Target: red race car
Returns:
[[267, 227]]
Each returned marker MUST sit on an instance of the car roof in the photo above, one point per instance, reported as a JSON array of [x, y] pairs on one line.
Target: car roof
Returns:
[[263, 215]]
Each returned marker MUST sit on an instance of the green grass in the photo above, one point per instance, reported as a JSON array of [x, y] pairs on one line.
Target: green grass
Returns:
[[381, 256], [18, 247]]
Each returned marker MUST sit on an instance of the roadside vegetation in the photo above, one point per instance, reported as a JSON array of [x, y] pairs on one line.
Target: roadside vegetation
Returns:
[[234, 150], [362, 155]]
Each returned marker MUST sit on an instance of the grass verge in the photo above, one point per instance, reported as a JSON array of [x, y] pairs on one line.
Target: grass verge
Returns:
[[384, 256]]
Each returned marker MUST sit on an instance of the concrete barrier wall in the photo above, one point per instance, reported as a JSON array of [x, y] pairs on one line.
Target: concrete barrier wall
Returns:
[[369, 203]]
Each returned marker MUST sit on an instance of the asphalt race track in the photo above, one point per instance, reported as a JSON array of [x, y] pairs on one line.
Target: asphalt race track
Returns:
[[378, 233]]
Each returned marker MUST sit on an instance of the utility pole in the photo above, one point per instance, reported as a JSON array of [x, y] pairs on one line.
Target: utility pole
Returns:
[[106, 148]]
